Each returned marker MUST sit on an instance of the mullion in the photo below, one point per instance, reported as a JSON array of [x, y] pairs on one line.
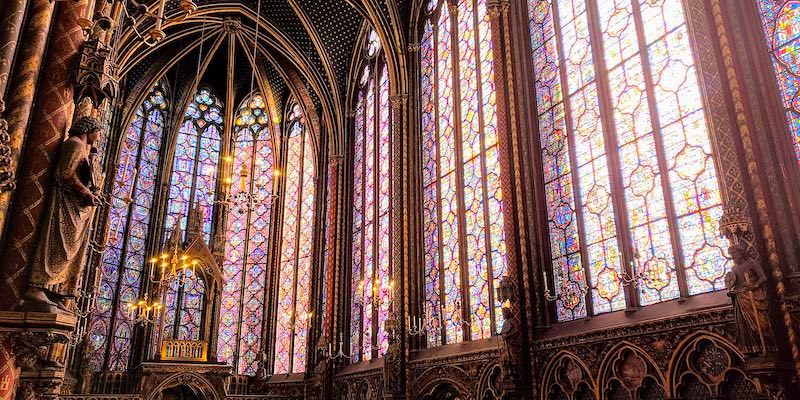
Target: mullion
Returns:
[[195, 167], [576, 198], [659, 147], [484, 172], [178, 307], [458, 170], [363, 201], [375, 298], [438, 174]]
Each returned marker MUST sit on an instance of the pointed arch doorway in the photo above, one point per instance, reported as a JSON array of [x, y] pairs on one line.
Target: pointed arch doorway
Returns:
[[182, 392]]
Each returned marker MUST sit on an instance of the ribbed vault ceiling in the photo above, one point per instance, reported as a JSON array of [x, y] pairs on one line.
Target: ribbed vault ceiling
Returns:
[[305, 48]]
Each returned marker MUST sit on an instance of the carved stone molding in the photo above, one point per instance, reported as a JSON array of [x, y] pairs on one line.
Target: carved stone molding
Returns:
[[720, 317], [468, 373], [38, 343], [7, 179]]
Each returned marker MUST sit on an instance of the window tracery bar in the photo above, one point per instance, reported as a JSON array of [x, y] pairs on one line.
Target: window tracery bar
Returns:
[[357, 282], [293, 302], [781, 21], [462, 199], [244, 268], [670, 195], [121, 268]]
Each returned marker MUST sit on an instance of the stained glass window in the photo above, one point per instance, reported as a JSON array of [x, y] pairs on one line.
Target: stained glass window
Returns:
[[184, 306], [194, 168], [464, 245], [669, 207], [124, 259], [371, 211], [247, 231], [294, 312], [781, 20]]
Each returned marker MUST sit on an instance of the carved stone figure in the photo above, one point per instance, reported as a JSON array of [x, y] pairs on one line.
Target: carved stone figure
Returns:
[[261, 369], [745, 284], [61, 251]]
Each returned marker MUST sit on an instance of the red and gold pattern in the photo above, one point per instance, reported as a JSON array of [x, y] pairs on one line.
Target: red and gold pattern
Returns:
[[51, 119], [8, 372]]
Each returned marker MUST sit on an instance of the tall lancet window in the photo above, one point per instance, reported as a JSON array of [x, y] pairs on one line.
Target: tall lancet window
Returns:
[[294, 314], [464, 245], [123, 261], [194, 169], [633, 200], [781, 20], [248, 225], [371, 208]]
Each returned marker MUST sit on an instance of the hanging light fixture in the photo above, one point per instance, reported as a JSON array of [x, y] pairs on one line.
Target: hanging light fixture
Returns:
[[247, 197], [133, 9]]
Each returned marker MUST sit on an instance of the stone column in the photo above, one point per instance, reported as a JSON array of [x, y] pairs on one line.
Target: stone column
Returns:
[[394, 371], [51, 118], [509, 288], [11, 16], [20, 101]]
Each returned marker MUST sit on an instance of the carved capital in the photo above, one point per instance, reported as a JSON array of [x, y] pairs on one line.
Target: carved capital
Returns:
[[397, 100], [453, 8], [413, 47], [497, 7], [336, 160]]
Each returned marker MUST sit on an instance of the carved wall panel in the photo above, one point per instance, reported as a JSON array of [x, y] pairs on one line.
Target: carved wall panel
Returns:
[[568, 378], [708, 365], [471, 376], [683, 363], [362, 385]]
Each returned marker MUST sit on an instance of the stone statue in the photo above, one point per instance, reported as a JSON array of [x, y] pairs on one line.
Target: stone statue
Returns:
[[745, 284], [261, 369], [61, 250]]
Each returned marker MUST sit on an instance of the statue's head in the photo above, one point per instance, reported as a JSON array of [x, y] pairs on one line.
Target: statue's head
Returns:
[[738, 251], [89, 126]]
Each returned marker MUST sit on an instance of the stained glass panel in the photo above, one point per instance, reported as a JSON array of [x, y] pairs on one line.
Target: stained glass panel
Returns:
[[679, 194], [372, 209], [781, 20], [122, 263], [194, 168], [465, 254], [294, 286], [432, 267], [357, 285], [244, 269]]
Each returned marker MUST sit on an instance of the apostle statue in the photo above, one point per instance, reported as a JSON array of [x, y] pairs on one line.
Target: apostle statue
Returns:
[[745, 284], [61, 250]]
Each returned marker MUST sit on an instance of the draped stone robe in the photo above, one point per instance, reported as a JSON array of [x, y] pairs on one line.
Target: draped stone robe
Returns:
[[64, 238]]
